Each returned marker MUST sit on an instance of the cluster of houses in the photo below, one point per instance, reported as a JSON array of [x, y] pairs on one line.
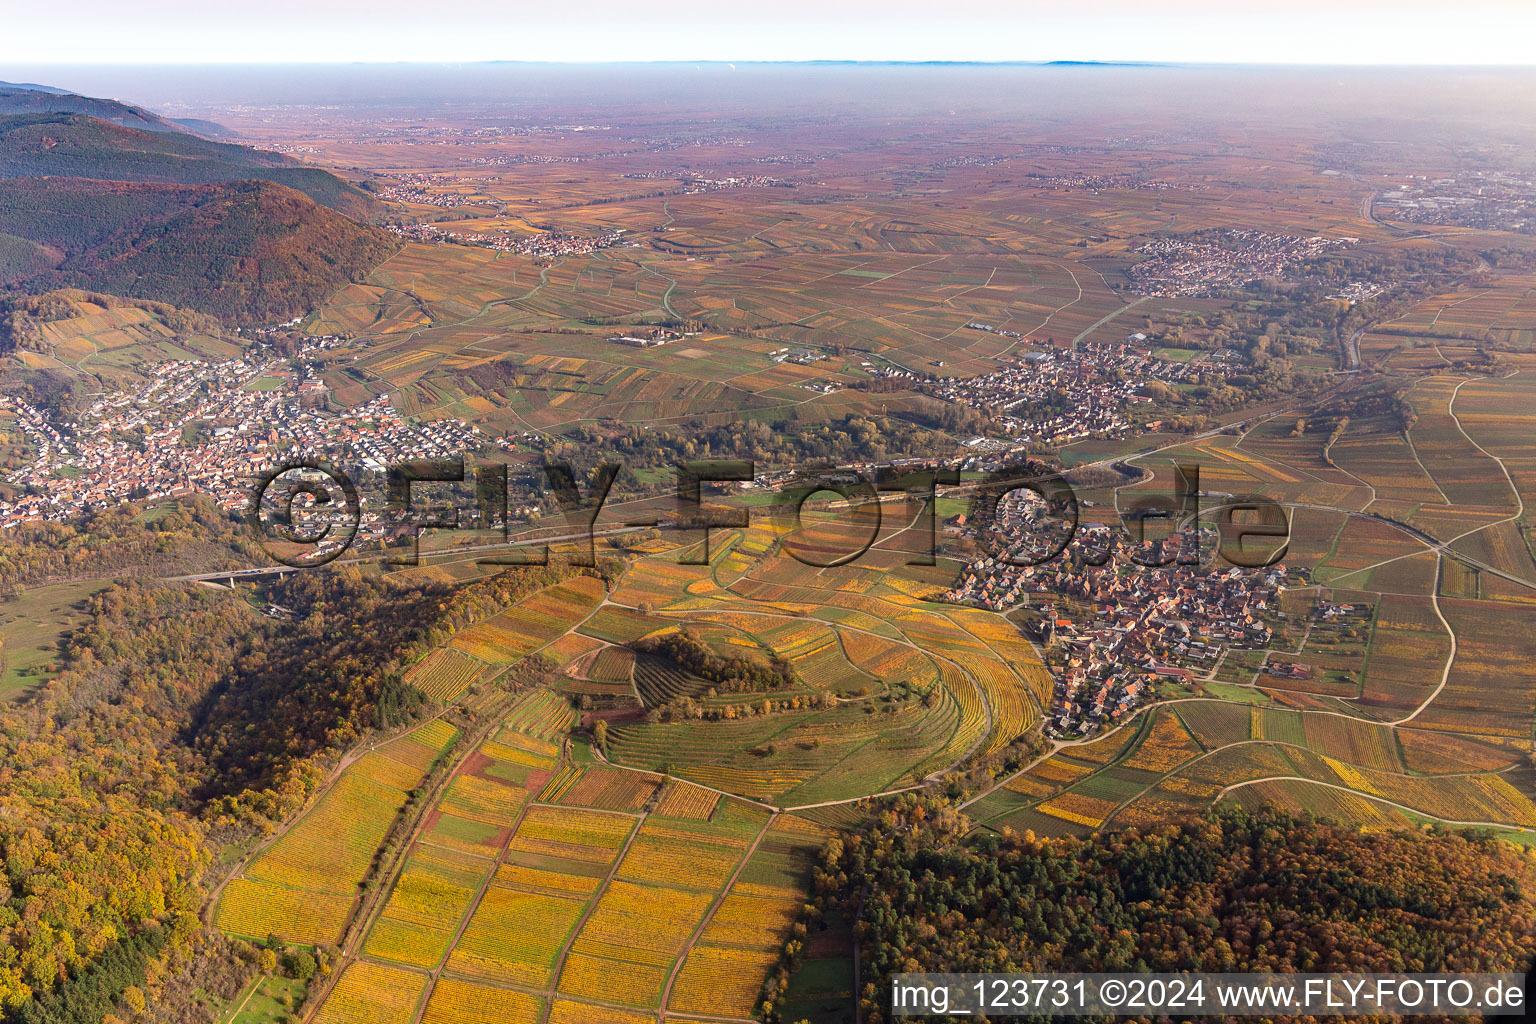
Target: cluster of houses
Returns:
[[976, 325], [1112, 631], [1197, 265], [210, 428], [1118, 182], [542, 245], [645, 337], [1057, 395], [426, 190], [693, 182], [802, 356]]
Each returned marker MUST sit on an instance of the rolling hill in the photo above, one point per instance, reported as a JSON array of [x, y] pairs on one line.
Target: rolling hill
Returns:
[[100, 195], [246, 251]]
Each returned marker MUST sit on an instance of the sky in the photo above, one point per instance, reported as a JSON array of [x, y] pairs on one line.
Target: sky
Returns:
[[1207, 31]]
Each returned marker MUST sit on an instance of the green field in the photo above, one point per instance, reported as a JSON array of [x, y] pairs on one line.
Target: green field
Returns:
[[32, 626]]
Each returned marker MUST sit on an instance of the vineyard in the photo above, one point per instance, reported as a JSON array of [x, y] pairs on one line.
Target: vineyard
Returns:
[[635, 933], [303, 886], [1167, 746], [612, 665], [434, 890], [457, 1001], [545, 715], [373, 994], [515, 936], [660, 681], [682, 800], [609, 789], [534, 622], [446, 673]]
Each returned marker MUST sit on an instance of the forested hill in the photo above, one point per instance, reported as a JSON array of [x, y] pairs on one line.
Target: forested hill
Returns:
[[250, 251], [1242, 891], [80, 146], [32, 99]]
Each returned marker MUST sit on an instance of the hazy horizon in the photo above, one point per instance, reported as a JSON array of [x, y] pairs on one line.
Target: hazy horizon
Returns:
[[1348, 32]]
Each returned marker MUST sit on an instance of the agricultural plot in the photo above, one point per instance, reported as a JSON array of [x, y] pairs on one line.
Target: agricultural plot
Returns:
[[845, 751], [455, 854], [543, 715], [457, 1001], [1377, 453], [1167, 745], [515, 936], [683, 800], [608, 789], [644, 920], [1297, 797], [724, 972], [1361, 545], [532, 623], [1466, 475], [1433, 753], [612, 665], [433, 892], [1408, 652], [691, 855], [446, 673], [620, 625], [1491, 690], [303, 886], [660, 681], [373, 994]]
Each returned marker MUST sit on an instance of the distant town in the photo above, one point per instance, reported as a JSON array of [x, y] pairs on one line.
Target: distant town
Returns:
[[1228, 259], [1056, 395]]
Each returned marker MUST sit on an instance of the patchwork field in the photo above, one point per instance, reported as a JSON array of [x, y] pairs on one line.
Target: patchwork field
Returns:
[[541, 887], [303, 886]]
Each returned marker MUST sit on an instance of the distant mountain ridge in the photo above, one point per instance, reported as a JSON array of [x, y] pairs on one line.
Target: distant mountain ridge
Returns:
[[33, 87]]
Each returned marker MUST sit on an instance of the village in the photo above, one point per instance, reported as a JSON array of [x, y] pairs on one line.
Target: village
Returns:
[[1119, 182], [427, 190], [1200, 265], [694, 183], [1112, 629], [543, 245], [209, 428], [1054, 395]]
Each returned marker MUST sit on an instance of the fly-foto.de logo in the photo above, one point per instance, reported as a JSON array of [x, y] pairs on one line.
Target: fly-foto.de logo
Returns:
[[310, 513]]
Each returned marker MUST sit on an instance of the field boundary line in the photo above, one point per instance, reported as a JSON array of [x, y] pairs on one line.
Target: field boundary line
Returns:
[[552, 990], [709, 916]]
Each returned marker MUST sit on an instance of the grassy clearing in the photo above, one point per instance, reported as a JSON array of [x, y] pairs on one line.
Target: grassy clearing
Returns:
[[32, 627]]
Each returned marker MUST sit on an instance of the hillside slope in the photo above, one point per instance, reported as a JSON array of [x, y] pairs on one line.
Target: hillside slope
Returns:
[[32, 99], [246, 250], [80, 146]]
